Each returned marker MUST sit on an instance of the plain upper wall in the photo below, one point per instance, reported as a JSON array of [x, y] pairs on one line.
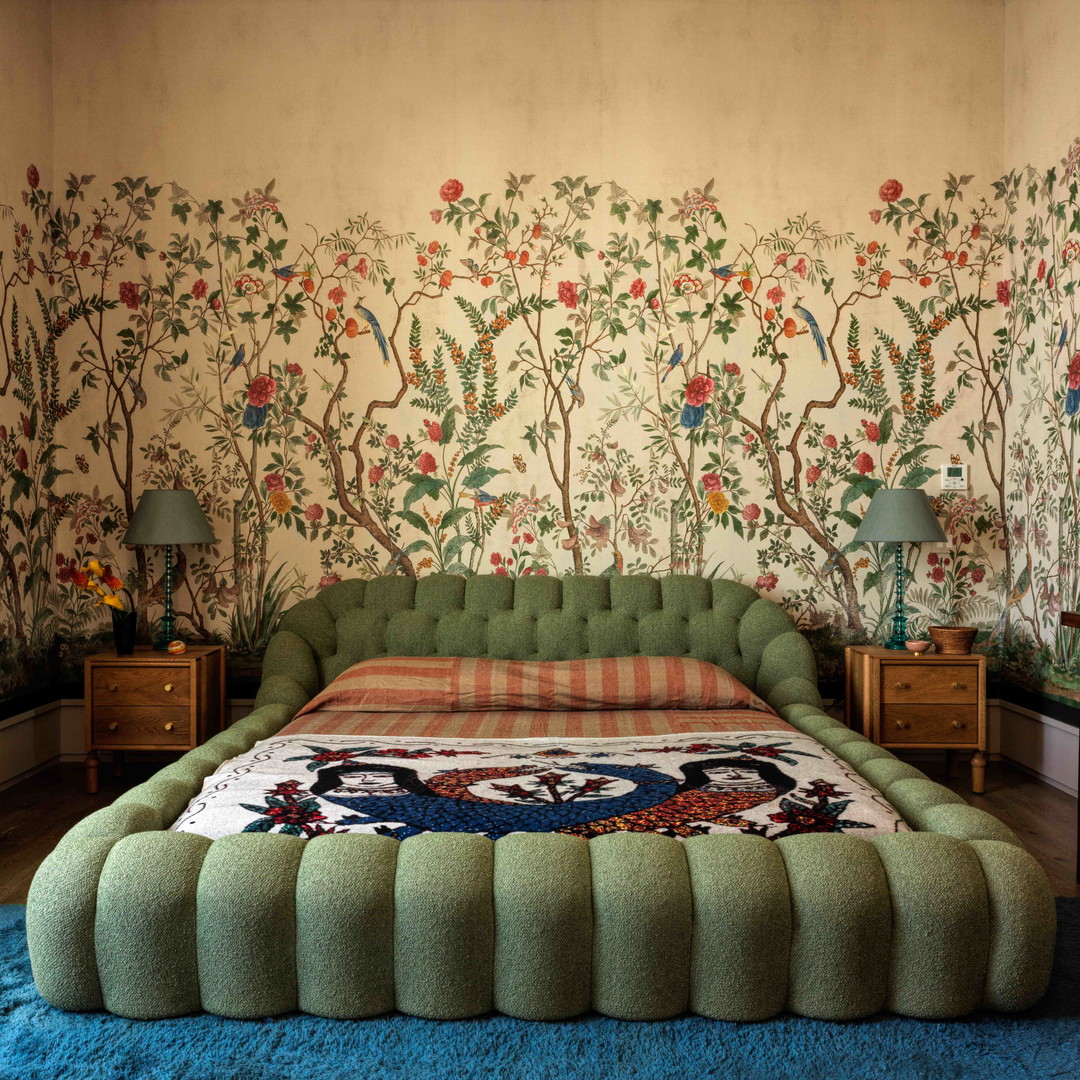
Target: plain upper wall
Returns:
[[367, 104], [1042, 106], [26, 114]]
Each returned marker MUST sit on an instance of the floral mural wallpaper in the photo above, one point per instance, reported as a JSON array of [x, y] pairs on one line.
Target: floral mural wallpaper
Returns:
[[545, 375]]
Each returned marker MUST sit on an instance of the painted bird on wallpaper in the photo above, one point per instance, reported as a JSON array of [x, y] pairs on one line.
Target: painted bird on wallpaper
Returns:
[[235, 362], [1020, 588], [724, 273], [674, 362], [376, 330], [815, 330], [575, 391], [283, 273], [1063, 337], [394, 565], [480, 497]]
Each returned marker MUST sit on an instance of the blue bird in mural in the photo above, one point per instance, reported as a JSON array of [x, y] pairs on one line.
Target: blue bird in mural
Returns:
[[283, 273], [394, 565], [481, 497], [376, 329], [575, 391], [815, 330], [235, 362], [1063, 337], [674, 362], [724, 273], [832, 562]]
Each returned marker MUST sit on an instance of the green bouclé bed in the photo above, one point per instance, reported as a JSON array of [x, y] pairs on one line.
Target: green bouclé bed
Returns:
[[938, 922]]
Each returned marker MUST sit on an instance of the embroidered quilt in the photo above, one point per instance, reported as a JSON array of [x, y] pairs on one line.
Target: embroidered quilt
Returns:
[[771, 784]]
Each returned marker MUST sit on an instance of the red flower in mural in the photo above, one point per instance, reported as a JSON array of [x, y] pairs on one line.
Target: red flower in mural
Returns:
[[33, 177], [434, 430], [885, 280], [937, 574], [451, 191], [198, 290], [129, 294], [775, 296], [637, 288], [875, 216], [496, 559], [274, 481], [261, 390], [1004, 292], [699, 389], [829, 442], [336, 295], [314, 512], [568, 293], [445, 278], [21, 459], [873, 432], [1041, 272], [933, 558], [813, 474], [375, 474], [362, 268], [800, 268], [393, 442], [329, 579], [768, 582], [294, 369], [751, 512], [426, 464], [1074, 372], [864, 464], [872, 248], [977, 575], [732, 369], [890, 191], [710, 481]]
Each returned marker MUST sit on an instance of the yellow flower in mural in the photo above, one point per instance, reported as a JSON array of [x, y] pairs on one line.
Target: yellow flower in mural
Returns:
[[718, 502], [280, 502]]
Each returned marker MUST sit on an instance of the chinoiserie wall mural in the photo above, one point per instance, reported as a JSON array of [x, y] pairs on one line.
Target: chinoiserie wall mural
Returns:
[[538, 373]]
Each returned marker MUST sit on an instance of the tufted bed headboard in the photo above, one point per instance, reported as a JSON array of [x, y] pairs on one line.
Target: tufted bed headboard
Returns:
[[540, 618]]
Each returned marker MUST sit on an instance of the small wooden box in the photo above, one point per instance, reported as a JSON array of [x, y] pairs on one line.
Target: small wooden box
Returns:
[[152, 700], [934, 701]]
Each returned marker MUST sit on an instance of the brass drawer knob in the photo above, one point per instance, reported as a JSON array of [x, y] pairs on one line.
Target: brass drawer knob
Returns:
[[959, 686], [959, 724], [169, 726], [112, 688], [903, 686], [114, 726], [901, 723], [168, 688]]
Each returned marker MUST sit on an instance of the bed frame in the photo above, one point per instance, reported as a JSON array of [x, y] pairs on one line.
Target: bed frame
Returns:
[[147, 923]]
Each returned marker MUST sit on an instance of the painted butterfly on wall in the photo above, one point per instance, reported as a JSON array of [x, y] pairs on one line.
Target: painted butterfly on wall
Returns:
[[519, 463]]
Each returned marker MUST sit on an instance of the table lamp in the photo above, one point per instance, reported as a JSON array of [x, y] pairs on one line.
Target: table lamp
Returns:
[[898, 516], [167, 517]]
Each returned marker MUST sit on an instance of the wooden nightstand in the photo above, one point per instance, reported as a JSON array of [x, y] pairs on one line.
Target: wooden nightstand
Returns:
[[151, 700], [905, 702]]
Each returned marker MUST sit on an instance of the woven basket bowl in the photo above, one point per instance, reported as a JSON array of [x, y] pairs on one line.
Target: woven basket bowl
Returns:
[[953, 640]]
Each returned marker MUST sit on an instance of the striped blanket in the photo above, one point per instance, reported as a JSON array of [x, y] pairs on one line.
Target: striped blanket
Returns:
[[403, 746]]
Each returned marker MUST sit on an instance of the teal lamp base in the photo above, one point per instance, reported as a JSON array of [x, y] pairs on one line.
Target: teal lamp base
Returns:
[[899, 624], [168, 621]]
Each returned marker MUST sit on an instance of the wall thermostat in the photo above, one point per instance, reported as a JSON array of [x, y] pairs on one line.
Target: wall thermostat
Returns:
[[954, 477]]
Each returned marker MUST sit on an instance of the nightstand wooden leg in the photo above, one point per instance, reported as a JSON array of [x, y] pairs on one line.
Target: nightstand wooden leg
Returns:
[[978, 772], [91, 762], [118, 764]]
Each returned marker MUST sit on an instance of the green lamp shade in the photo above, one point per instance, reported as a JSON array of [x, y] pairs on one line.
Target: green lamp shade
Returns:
[[169, 517], [899, 514]]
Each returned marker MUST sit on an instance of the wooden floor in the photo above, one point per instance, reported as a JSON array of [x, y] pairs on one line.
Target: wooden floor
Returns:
[[38, 811]]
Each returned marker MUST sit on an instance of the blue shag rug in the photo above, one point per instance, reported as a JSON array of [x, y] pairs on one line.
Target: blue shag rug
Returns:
[[38, 1042]]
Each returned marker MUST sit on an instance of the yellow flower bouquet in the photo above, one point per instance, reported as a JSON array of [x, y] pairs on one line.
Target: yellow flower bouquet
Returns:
[[97, 579]]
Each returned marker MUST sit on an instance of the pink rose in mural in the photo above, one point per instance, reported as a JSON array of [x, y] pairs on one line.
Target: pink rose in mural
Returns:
[[129, 294], [873, 432], [890, 191], [198, 290], [568, 293], [699, 389], [800, 268], [1004, 292], [813, 474], [33, 177], [274, 481], [362, 268], [1074, 372], [710, 481], [434, 430], [451, 191], [314, 512], [829, 442], [261, 390], [781, 259], [329, 579], [496, 559], [732, 369], [375, 474], [864, 464], [294, 369], [775, 295], [751, 512], [875, 216], [768, 582], [336, 295], [436, 216], [426, 464], [637, 288], [342, 259], [393, 442]]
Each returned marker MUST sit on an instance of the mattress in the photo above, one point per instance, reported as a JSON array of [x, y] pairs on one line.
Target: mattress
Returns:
[[723, 763]]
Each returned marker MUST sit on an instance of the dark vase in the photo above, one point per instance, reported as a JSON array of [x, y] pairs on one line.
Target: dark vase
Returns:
[[124, 624]]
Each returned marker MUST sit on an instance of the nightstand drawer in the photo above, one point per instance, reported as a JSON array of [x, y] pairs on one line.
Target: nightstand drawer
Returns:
[[142, 685], [929, 683], [929, 723], [114, 725]]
